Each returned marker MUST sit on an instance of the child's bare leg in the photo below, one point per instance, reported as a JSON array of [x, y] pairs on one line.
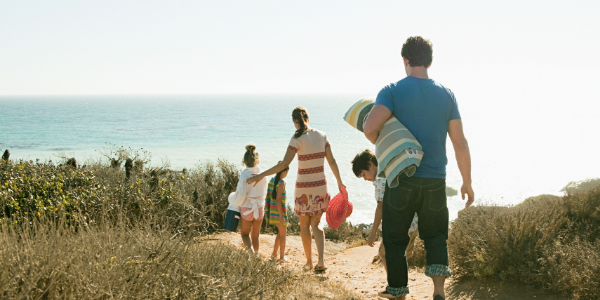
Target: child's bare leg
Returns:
[[245, 232], [281, 240], [275, 246], [256, 233], [306, 238]]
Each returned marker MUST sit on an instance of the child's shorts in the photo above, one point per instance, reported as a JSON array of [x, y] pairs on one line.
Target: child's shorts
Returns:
[[231, 220], [250, 216]]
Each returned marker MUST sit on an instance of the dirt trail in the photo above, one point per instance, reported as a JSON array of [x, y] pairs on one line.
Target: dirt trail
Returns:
[[355, 268]]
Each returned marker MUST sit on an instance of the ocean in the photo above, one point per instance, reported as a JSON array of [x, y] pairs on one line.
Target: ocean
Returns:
[[515, 155]]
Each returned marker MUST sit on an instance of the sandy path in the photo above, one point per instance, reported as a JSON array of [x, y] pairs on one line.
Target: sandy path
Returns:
[[354, 267]]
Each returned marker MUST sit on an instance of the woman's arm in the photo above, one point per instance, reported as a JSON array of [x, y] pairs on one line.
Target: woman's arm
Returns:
[[287, 159], [334, 167], [280, 189]]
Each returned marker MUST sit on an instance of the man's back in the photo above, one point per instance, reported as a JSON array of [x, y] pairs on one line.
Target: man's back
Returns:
[[425, 107], [430, 112]]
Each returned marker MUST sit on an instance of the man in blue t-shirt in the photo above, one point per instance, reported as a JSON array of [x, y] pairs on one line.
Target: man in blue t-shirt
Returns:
[[429, 111]]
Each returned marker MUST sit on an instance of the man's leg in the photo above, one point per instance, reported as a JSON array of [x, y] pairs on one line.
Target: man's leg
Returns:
[[398, 212], [433, 230]]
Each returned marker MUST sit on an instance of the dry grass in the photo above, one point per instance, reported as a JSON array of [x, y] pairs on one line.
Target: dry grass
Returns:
[[547, 241], [49, 260]]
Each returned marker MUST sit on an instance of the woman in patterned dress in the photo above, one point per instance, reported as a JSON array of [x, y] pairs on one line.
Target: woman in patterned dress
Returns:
[[311, 193]]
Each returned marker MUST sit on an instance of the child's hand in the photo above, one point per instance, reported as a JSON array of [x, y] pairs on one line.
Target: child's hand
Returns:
[[371, 241], [281, 221]]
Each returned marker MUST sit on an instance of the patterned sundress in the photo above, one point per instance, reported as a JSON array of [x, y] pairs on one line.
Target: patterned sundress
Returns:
[[311, 194], [271, 211]]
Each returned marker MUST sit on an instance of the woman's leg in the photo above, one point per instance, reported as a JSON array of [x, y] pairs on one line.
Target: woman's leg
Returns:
[[256, 233], [245, 232], [306, 240], [281, 240], [319, 237]]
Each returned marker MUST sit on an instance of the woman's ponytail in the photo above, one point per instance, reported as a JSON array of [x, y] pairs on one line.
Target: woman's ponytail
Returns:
[[300, 115]]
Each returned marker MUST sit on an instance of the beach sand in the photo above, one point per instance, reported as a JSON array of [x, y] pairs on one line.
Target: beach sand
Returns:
[[355, 268]]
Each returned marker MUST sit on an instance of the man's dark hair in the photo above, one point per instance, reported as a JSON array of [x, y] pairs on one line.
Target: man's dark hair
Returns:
[[361, 162], [418, 51]]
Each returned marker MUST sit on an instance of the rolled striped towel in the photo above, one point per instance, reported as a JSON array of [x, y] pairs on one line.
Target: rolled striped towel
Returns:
[[396, 149], [357, 114], [397, 152]]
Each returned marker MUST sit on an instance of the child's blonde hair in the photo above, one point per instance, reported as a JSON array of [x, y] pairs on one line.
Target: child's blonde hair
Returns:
[[251, 155]]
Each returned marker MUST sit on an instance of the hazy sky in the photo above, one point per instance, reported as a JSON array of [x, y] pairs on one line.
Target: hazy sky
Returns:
[[536, 53]]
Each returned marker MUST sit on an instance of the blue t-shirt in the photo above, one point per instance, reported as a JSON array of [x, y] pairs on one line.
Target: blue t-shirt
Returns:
[[425, 107]]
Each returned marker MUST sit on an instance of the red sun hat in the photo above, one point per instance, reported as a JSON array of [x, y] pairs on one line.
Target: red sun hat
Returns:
[[339, 209]]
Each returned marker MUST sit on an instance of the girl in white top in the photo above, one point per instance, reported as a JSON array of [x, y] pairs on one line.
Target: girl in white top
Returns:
[[251, 199]]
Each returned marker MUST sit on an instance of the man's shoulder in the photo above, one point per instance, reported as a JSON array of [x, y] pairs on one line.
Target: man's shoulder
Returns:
[[409, 81], [399, 83], [438, 84]]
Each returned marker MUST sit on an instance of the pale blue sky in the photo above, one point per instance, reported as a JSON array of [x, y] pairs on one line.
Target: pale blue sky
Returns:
[[525, 73], [534, 53]]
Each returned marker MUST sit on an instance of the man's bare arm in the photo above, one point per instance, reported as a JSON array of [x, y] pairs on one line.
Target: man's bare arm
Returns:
[[463, 158], [378, 115]]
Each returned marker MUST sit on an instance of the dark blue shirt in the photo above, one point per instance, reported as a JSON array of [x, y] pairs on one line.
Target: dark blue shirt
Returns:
[[425, 107]]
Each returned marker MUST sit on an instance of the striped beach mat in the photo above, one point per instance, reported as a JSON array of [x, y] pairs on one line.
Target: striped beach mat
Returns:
[[357, 114], [396, 149]]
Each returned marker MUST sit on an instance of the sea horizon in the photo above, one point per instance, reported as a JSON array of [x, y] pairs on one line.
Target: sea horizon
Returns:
[[187, 130]]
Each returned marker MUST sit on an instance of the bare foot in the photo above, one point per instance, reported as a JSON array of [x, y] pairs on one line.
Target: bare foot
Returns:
[[307, 267]]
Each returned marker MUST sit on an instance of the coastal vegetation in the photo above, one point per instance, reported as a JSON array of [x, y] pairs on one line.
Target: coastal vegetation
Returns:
[[115, 228], [118, 228], [546, 241]]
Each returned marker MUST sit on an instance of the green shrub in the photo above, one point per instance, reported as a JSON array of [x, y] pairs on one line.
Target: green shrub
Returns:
[[548, 241], [101, 192]]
